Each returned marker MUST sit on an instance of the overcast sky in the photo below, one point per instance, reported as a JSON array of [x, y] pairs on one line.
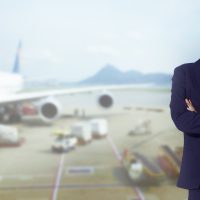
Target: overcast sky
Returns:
[[71, 40]]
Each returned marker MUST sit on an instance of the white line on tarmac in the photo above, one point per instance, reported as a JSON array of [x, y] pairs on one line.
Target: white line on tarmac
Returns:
[[28, 176], [56, 185], [94, 166], [114, 148], [119, 158], [139, 193]]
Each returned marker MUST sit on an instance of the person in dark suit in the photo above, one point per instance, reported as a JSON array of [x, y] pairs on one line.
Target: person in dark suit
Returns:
[[185, 113]]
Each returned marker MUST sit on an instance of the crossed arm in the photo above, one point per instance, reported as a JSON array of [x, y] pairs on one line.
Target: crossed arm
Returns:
[[190, 106], [186, 119]]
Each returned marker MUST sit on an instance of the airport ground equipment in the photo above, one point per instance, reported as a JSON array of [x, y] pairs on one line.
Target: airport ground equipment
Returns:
[[179, 151], [141, 168], [133, 166], [83, 131], [99, 127], [169, 160], [9, 136], [142, 127], [64, 143]]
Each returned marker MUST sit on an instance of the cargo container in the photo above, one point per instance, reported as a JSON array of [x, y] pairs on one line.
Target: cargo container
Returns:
[[82, 130], [99, 127], [9, 136]]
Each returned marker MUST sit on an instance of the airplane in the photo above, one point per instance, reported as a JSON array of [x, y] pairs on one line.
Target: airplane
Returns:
[[44, 104], [6, 85]]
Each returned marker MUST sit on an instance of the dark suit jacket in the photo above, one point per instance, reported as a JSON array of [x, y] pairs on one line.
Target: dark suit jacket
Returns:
[[186, 84]]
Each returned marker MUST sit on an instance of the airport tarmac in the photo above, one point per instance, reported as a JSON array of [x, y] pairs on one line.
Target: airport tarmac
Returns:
[[33, 171]]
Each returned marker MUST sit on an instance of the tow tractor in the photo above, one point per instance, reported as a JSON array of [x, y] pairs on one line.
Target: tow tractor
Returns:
[[64, 141]]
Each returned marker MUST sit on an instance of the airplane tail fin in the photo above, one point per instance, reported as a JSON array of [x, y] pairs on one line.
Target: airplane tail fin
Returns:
[[16, 68]]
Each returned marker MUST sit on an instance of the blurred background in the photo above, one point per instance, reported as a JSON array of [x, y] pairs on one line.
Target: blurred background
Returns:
[[84, 98]]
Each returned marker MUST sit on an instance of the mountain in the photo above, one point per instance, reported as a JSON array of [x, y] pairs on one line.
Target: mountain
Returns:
[[112, 75], [109, 74]]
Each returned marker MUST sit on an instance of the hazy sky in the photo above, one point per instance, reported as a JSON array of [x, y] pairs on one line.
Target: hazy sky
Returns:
[[71, 40]]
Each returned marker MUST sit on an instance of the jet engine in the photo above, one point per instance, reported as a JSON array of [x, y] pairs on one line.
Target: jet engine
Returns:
[[48, 109], [105, 100]]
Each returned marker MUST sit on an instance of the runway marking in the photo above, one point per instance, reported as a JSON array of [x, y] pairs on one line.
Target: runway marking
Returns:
[[25, 177], [56, 184], [94, 166], [65, 186], [80, 170], [114, 148], [139, 193], [137, 190]]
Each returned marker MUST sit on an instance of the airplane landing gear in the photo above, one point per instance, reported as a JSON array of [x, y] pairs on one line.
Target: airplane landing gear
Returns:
[[9, 114]]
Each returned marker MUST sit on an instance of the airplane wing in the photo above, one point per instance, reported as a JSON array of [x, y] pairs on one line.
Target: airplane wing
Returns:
[[23, 96]]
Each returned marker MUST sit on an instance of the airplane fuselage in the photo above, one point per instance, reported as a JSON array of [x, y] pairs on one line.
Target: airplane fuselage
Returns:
[[10, 83]]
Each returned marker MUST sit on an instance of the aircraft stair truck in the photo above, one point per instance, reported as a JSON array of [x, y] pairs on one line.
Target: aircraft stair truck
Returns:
[[133, 166], [142, 127], [179, 151], [141, 168], [152, 170], [169, 161], [82, 130], [99, 127]]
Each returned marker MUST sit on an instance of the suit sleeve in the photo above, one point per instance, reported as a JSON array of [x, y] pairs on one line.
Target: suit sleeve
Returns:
[[185, 120]]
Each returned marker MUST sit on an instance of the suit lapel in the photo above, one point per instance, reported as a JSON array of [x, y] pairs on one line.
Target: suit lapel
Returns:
[[194, 73], [193, 78]]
